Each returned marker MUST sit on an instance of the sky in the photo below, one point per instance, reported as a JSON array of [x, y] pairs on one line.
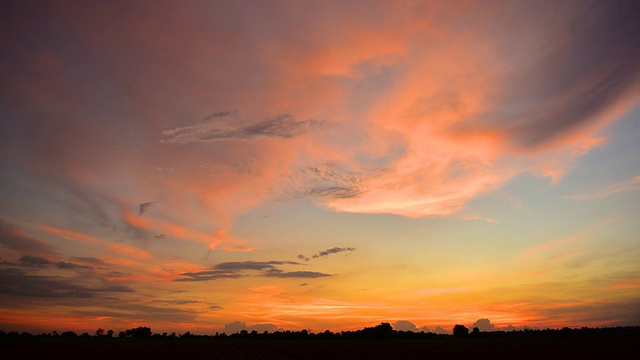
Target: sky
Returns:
[[217, 165]]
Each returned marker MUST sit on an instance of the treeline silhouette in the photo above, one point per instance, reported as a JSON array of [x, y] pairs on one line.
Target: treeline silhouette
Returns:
[[379, 332], [380, 342]]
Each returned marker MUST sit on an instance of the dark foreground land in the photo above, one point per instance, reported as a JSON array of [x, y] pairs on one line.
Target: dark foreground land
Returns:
[[553, 344]]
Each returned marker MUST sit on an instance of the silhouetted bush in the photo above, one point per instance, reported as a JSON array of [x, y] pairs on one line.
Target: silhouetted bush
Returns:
[[460, 331]]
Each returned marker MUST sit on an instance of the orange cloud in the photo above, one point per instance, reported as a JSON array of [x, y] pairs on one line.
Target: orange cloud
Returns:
[[213, 241], [136, 220], [70, 234], [129, 251], [232, 244]]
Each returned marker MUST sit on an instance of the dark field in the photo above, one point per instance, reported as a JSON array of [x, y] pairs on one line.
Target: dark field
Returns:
[[575, 345]]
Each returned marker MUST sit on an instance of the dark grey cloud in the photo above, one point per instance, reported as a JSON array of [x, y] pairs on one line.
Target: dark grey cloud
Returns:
[[14, 238], [283, 126], [15, 282], [115, 288], [584, 62], [36, 261], [336, 192], [39, 261], [215, 307], [142, 208], [220, 114], [334, 250], [232, 270], [89, 260], [116, 274], [253, 265], [176, 302], [224, 126], [302, 257], [277, 273], [68, 265], [208, 275]]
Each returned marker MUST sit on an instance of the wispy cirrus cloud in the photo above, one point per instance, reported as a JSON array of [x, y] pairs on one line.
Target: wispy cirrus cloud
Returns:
[[464, 138], [625, 186], [324, 182], [227, 126]]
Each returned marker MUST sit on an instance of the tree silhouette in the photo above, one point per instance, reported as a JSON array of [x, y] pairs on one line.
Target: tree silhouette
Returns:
[[141, 332], [460, 331]]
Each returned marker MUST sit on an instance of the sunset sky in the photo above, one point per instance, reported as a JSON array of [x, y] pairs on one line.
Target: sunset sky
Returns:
[[207, 166]]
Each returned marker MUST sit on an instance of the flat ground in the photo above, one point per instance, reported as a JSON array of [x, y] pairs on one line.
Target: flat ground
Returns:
[[208, 348]]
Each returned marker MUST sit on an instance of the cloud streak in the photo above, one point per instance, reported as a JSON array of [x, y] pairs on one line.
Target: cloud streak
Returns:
[[14, 238], [38, 261], [223, 126], [15, 282], [234, 270], [209, 275], [331, 251], [625, 186], [326, 253], [253, 265], [277, 273]]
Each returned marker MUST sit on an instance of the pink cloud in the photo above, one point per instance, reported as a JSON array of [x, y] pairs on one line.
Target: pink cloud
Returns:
[[416, 113]]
